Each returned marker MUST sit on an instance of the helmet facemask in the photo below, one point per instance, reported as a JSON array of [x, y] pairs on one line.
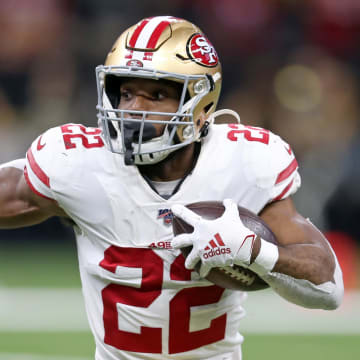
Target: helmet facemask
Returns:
[[131, 133]]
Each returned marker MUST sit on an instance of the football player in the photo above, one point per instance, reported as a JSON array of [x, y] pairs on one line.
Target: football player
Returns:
[[156, 149]]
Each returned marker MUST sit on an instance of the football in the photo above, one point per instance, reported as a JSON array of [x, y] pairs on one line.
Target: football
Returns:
[[236, 277]]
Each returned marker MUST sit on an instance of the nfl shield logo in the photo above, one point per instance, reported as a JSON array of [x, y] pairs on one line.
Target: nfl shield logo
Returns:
[[165, 214]]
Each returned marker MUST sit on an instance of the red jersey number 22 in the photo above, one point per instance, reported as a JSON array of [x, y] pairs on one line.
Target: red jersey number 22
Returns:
[[250, 133], [149, 339], [89, 137]]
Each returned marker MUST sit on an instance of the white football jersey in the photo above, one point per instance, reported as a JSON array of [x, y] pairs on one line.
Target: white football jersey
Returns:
[[141, 302]]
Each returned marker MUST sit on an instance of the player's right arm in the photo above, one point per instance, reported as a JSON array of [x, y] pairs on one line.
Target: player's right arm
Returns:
[[19, 205]]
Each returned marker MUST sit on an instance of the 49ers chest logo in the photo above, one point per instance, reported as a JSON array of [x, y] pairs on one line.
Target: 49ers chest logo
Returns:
[[201, 51]]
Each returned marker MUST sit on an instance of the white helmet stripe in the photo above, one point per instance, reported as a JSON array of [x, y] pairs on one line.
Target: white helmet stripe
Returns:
[[149, 31], [137, 32]]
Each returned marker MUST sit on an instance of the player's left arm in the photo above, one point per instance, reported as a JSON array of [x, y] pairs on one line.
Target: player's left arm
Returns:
[[304, 252], [302, 267], [306, 272]]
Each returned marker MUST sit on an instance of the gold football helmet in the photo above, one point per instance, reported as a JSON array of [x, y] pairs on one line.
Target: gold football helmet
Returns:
[[162, 47]]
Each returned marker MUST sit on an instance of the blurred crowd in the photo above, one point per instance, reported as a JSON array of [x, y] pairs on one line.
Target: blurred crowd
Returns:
[[290, 66]]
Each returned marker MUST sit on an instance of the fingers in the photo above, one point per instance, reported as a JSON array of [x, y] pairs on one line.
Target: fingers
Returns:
[[181, 240], [184, 240], [185, 214], [192, 259]]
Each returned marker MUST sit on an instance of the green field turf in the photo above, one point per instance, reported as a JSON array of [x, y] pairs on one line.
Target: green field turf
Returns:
[[301, 347], [46, 265], [256, 347], [77, 344]]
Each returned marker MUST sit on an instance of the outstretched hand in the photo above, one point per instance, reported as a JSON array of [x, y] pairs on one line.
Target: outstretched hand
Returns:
[[224, 241]]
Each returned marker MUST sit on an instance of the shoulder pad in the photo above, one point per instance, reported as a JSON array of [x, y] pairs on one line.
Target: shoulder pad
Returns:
[[55, 155], [270, 160]]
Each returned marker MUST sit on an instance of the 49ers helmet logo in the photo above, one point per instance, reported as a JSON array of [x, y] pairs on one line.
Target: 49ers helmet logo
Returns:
[[200, 49], [134, 62]]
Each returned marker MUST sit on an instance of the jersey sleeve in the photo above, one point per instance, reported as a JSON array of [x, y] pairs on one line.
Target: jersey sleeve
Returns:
[[276, 169], [41, 160], [287, 182]]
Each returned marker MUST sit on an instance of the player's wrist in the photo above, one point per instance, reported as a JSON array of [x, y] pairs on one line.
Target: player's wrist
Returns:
[[266, 259]]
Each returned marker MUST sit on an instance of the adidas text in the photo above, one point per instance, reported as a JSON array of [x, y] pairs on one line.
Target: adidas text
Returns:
[[218, 251]]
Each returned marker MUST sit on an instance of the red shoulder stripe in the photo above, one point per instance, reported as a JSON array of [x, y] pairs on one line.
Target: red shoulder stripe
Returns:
[[287, 172], [37, 170], [287, 188], [31, 186]]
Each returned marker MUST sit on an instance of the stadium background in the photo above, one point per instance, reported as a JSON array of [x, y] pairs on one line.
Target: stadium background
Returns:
[[290, 66]]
